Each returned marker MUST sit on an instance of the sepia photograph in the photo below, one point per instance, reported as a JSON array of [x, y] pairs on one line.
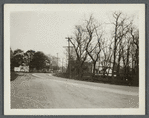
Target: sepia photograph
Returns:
[[74, 59]]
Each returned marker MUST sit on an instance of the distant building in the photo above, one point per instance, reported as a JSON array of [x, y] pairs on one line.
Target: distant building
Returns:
[[103, 67], [21, 69], [17, 69]]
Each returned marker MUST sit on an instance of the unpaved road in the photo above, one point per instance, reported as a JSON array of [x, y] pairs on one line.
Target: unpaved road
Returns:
[[42, 90]]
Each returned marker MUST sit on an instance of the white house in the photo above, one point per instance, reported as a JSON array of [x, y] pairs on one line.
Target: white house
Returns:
[[100, 66], [21, 69]]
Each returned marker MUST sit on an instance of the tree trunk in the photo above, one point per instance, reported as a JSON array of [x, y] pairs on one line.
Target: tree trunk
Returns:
[[118, 66], [94, 68], [114, 58], [113, 65], [127, 63]]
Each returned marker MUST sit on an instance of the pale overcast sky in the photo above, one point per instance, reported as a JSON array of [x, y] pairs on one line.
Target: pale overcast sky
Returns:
[[46, 30]]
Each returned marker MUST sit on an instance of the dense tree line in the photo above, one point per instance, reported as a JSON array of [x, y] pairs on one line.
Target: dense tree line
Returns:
[[35, 60], [119, 52]]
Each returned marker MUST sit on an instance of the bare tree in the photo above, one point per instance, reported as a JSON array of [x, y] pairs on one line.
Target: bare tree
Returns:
[[134, 52], [94, 39], [121, 28], [106, 56], [80, 44], [135, 47]]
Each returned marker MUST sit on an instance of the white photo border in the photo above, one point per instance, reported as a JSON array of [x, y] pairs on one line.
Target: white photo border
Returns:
[[8, 8]]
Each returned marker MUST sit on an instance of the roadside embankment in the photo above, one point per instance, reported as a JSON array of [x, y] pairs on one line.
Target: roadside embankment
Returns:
[[13, 76]]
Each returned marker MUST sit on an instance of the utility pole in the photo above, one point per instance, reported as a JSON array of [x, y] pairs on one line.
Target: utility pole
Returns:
[[57, 61], [62, 65], [69, 63]]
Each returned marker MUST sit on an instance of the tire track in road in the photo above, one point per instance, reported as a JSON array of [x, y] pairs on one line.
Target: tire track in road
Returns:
[[93, 87], [87, 96]]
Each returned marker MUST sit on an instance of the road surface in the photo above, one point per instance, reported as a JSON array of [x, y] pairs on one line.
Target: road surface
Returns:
[[42, 90]]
